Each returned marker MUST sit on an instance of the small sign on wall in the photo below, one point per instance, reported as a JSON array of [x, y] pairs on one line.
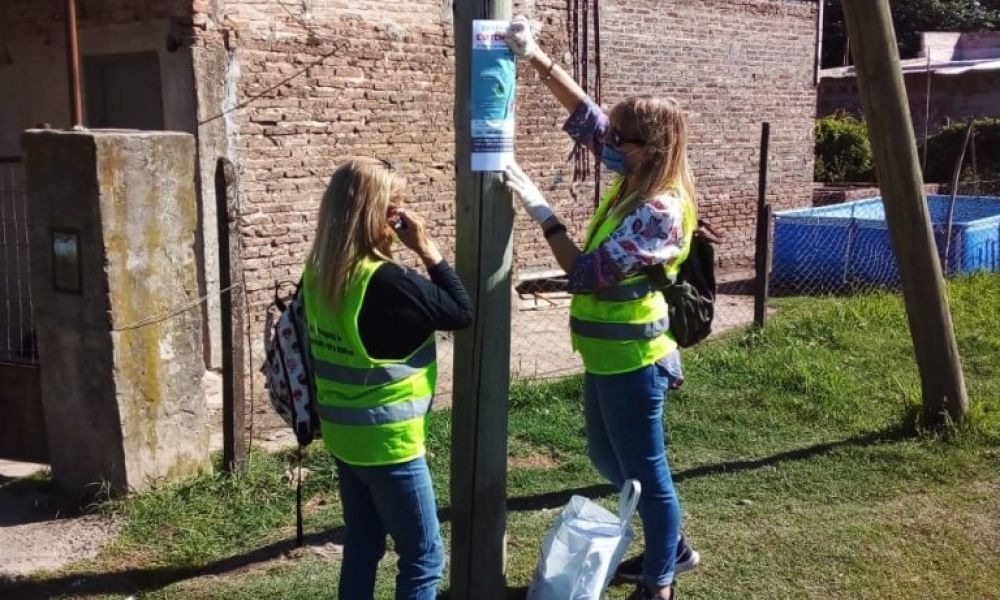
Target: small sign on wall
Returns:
[[67, 272]]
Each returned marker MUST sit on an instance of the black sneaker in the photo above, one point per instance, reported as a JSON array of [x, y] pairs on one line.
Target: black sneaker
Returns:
[[687, 559], [641, 593]]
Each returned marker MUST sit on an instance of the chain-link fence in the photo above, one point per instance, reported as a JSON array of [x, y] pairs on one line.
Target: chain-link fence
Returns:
[[838, 243], [838, 248], [987, 187], [846, 248], [540, 339]]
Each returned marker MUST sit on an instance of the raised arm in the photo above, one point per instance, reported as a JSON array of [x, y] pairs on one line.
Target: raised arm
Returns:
[[563, 87]]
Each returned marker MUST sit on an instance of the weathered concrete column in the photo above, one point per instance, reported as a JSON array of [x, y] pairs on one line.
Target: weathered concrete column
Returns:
[[113, 219]]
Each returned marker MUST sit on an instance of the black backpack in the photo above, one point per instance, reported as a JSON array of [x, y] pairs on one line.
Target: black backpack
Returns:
[[691, 296]]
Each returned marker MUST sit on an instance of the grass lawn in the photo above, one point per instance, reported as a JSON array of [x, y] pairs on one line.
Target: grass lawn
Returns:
[[800, 469]]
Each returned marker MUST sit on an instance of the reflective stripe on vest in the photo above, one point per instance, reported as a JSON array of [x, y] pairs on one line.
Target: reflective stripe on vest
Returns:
[[626, 292], [378, 375], [376, 415], [619, 332], [625, 327]]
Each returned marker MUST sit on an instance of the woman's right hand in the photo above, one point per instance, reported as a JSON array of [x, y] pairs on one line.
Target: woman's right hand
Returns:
[[520, 38], [411, 231], [527, 192]]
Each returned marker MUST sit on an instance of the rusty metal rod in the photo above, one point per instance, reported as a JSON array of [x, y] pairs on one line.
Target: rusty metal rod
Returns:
[[73, 66]]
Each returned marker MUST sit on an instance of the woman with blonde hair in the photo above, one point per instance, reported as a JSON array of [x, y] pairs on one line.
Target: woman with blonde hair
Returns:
[[371, 335], [618, 318]]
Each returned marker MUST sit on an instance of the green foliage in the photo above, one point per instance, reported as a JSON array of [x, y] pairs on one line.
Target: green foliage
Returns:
[[843, 150], [944, 148], [911, 17], [207, 518]]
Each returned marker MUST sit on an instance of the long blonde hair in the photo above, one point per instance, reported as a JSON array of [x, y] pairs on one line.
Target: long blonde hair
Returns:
[[661, 124], [352, 223]]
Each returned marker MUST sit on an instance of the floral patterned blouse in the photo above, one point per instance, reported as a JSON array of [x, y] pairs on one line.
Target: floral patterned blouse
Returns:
[[652, 234]]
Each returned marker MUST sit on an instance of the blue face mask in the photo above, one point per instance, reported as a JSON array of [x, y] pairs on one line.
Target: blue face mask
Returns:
[[614, 159]]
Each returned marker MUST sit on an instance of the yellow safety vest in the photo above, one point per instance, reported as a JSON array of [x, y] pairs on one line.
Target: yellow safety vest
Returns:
[[626, 327], [372, 412]]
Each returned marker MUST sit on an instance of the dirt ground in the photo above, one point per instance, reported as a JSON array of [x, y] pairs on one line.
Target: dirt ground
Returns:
[[39, 529], [540, 341]]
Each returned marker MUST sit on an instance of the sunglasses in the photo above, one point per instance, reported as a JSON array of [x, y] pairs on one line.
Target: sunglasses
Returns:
[[615, 139], [387, 164]]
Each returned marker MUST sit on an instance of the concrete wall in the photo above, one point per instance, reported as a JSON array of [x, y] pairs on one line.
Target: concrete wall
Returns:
[[35, 66], [953, 98], [947, 45], [121, 366], [33, 62]]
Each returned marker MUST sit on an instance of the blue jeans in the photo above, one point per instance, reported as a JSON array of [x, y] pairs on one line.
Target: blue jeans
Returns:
[[398, 500], [624, 415]]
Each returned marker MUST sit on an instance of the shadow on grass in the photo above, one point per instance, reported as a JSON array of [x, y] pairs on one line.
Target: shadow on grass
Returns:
[[132, 581], [557, 499], [517, 593], [25, 500]]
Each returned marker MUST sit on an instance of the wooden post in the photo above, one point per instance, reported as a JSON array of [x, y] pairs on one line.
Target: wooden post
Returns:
[[73, 65], [927, 109], [818, 67], [234, 449], [883, 97], [762, 254], [484, 228], [950, 222]]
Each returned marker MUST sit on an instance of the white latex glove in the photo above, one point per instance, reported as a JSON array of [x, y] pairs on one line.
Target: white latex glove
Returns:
[[520, 38], [527, 192]]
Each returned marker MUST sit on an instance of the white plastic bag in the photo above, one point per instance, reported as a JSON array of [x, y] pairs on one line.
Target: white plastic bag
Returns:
[[583, 548]]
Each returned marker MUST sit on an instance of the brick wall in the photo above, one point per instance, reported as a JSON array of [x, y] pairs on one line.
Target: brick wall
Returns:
[[376, 85], [320, 80], [732, 65], [388, 91]]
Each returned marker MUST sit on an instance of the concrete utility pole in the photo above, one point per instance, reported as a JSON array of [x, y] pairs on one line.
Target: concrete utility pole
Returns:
[[883, 97], [484, 232]]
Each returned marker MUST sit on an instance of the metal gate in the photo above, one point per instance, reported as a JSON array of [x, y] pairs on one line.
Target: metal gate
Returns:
[[17, 340], [22, 430]]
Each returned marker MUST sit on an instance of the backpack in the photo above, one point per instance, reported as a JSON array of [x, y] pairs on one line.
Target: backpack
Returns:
[[288, 369], [691, 295]]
